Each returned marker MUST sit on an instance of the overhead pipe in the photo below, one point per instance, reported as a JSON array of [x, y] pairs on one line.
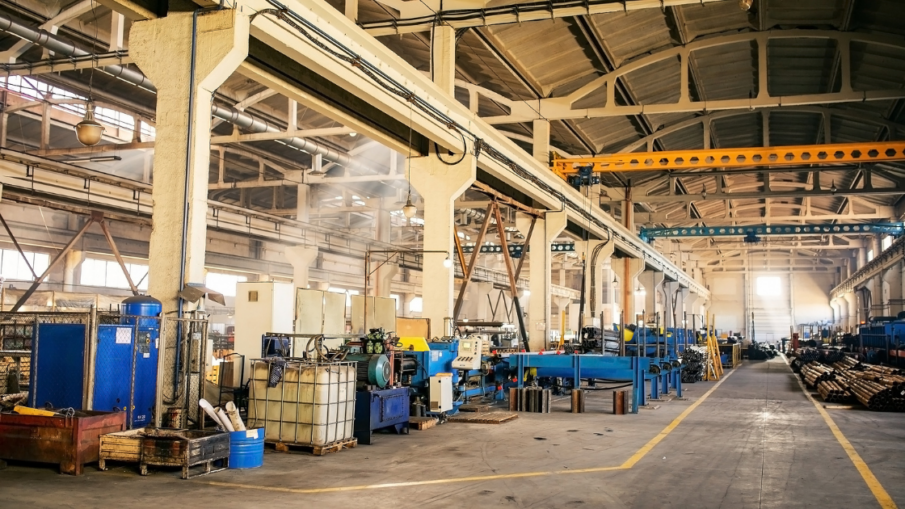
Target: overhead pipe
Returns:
[[239, 118]]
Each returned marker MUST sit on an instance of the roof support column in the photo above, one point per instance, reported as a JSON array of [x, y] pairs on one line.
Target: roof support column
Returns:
[[628, 270], [72, 262], [386, 272], [540, 277], [439, 184], [852, 311], [301, 258], [541, 147], [162, 48], [651, 282], [443, 58]]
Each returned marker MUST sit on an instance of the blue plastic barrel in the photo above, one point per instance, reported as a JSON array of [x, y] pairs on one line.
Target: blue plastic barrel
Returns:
[[246, 448]]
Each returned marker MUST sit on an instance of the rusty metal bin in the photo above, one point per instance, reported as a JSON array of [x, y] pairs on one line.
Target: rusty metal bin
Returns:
[[185, 449], [68, 441]]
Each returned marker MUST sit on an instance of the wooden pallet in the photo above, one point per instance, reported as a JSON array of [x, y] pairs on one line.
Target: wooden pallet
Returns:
[[421, 423], [484, 417], [474, 407], [316, 450]]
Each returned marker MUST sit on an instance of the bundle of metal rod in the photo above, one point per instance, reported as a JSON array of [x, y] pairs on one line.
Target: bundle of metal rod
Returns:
[[846, 363], [693, 362], [530, 399], [815, 373], [833, 392], [894, 382], [871, 394]]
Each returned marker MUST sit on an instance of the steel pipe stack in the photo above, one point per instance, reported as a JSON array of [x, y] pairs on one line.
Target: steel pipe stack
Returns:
[[833, 392], [815, 373]]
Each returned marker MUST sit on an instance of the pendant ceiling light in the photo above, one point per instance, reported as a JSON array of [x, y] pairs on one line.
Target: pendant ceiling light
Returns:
[[89, 130]]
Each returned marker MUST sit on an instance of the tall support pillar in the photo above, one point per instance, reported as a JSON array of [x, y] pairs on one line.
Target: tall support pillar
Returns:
[[652, 282], [852, 303], [439, 184], [72, 262], [386, 272], [301, 258], [541, 147], [596, 271], [301, 203], [540, 308], [892, 295], [162, 48], [627, 271], [443, 58]]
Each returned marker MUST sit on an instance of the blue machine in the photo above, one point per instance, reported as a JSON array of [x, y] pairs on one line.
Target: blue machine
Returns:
[[381, 409], [576, 367], [419, 366], [883, 337], [126, 361], [58, 365]]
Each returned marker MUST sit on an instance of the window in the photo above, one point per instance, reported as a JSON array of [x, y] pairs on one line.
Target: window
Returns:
[[12, 266], [870, 254], [768, 286], [887, 242], [223, 283], [416, 305], [107, 273]]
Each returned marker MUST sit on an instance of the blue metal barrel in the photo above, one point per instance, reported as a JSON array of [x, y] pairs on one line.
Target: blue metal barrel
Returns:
[[246, 448]]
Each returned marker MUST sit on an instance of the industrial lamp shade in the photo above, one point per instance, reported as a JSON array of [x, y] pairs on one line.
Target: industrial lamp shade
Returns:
[[408, 210], [89, 131]]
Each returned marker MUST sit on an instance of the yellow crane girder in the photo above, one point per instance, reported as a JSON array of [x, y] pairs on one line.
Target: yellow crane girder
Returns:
[[795, 155]]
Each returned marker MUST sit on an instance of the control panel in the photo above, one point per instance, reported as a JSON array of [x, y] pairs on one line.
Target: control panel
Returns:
[[469, 354]]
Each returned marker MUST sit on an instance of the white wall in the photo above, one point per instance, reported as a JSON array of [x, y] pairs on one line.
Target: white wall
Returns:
[[810, 297], [727, 301], [803, 298]]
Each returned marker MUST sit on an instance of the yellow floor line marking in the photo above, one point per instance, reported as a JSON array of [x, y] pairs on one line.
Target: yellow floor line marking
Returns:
[[481, 478], [876, 488], [477, 478], [629, 463]]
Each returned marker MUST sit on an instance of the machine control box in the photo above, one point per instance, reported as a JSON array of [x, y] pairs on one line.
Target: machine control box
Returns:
[[469, 354], [441, 394]]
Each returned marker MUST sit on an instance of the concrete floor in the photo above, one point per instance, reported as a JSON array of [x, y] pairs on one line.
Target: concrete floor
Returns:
[[756, 441]]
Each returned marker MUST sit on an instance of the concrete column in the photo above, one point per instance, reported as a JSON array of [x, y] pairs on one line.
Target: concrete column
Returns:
[[591, 314], [351, 9], [652, 281], [303, 193], [71, 264], [539, 308], [117, 24], [852, 300], [443, 58], [386, 272], [439, 184], [893, 298], [675, 299], [627, 271], [162, 49], [301, 258], [541, 148]]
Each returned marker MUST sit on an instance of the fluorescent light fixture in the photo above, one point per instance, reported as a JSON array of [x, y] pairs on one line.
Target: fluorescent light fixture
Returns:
[[93, 159]]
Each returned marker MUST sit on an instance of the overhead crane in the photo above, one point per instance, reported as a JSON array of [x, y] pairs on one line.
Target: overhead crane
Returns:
[[752, 233], [795, 155]]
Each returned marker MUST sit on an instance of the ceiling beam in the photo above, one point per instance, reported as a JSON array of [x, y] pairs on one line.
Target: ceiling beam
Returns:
[[421, 16]]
